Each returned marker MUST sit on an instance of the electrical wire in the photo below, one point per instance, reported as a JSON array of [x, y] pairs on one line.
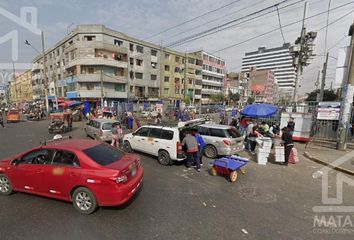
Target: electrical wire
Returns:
[[339, 41], [281, 29], [276, 29], [215, 19], [328, 24], [192, 19], [224, 25]]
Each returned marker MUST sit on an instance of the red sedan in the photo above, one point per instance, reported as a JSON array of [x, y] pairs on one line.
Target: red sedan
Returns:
[[86, 172]]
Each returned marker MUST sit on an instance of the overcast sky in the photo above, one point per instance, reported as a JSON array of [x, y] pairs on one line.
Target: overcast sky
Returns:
[[144, 18]]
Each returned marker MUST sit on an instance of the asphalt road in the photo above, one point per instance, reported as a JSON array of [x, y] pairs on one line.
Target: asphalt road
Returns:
[[269, 202]]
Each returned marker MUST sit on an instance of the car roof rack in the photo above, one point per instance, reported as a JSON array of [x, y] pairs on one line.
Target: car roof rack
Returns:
[[192, 123], [54, 140]]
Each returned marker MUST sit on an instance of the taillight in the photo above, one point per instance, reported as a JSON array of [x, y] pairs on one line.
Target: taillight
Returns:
[[179, 147], [122, 179], [227, 142]]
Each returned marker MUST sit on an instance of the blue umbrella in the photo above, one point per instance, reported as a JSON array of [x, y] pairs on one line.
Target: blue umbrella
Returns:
[[75, 104], [259, 110]]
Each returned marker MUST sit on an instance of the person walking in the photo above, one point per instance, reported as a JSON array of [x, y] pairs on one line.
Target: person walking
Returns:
[[250, 125], [117, 134], [1, 120], [192, 150], [288, 143], [291, 126], [201, 145]]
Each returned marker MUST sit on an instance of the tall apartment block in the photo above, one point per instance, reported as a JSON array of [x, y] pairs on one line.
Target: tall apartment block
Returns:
[[279, 60], [213, 75], [93, 62]]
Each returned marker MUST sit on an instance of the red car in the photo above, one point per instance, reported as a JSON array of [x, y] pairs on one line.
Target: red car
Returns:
[[86, 172]]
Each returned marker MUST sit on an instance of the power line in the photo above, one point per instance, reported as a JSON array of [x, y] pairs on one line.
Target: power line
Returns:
[[190, 20], [328, 24], [339, 41], [287, 25], [215, 19], [224, 25], [281, 29]]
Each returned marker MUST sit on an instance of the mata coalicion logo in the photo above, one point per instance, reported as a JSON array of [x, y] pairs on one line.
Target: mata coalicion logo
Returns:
[[334, 216]]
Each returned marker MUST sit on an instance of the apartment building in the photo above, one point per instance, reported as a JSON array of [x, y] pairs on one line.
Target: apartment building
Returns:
[[278, 59], [262, 85], [93, 62], [21, 88], [238, 82], [213, 75]]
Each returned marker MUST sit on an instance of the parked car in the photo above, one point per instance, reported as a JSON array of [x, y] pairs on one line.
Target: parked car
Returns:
[[149, 113], [163, 142], [220, 140], [100, 129], [87, 173]]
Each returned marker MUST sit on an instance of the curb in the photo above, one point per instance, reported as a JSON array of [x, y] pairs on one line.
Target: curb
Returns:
[[343, 170]]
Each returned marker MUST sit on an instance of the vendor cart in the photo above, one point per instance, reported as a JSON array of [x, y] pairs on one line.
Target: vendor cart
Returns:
[[60, 122], [229, 166]]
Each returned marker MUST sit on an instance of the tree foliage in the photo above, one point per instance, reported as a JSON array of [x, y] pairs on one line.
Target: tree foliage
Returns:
[[234, 96], [328, 95], [250, 100], [219, 97]]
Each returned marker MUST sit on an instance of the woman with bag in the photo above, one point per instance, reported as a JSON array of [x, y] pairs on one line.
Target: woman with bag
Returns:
[[288, 143]]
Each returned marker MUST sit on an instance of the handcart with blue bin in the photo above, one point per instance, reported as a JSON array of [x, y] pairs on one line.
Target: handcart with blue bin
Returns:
[[229, 166]]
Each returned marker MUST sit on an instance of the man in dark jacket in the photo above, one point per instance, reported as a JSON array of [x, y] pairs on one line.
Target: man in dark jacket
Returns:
[[291, 126]]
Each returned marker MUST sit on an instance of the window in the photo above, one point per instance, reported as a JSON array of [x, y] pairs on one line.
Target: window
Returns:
[[153, 77], [90, 86], [177, 69], [177, 91], [177, 59], [167, 79], [155, 132], [118, 42], [119, 87], [167, 56], [153, 65], [203, 131], [190, 81], [91, 70], [233, 133], [143, 132], [140, 49], [104, 154], [210, 68], [139, 62], [65, 158], [167, 135], [131, 47], [89, 38], [71, 42], [216, 132], [166, 90], [138, 75], [131, 60], [42, 156], [167, 68], [131, 74], [153, 52]]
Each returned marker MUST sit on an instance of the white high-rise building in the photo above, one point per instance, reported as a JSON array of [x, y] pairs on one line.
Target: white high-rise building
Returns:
[[278, 59]]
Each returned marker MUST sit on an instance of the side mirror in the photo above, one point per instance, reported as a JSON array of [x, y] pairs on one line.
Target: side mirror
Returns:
[[15, 162]]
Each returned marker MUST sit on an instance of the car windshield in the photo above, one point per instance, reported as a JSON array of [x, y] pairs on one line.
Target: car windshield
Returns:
[[104, 154], [233, 133], [107, 126]]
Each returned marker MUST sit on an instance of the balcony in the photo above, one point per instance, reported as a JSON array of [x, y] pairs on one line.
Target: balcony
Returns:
[[198, 96], [36, 76], [212, 83], [97, 78], [211, 91], [97, 94], [97, 61], [36, 67]]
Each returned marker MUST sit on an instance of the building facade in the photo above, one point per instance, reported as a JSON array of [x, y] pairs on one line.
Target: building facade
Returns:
[[213, 76], [21, 88], [279, 60], [94, 62], [262, 85], [238, 82]]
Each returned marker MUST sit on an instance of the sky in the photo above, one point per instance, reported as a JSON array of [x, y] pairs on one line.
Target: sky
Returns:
[[146, 18]]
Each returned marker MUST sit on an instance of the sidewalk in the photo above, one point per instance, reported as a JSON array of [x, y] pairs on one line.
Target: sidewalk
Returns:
[[326, 154]]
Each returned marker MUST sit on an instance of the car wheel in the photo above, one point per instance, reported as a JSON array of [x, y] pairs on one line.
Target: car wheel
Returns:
[[84, 201], [5, 185], [164, 158], [210, 151], [127, 147]]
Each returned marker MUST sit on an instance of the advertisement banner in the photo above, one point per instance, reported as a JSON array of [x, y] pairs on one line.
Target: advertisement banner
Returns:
[[328, 111]]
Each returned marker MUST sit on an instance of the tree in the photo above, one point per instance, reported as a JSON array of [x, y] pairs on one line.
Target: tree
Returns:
[[217, 98], [328, 95], [234, 96], [250, 100], [187, 100]]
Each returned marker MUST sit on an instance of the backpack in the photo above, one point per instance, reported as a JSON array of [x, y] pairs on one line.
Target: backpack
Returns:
[[114, 131]]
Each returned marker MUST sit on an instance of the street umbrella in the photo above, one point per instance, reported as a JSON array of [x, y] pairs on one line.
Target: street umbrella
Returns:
[[75, 103], [259, 110]]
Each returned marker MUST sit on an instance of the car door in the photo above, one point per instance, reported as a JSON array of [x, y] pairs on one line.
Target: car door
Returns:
[[154, 141], [89, 128], [63, 174], [28, 174], [140, 139]]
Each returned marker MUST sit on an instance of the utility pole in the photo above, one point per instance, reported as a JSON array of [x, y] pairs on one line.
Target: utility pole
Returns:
[[101, 73], [317, 83], [347, 97], [324, 72], [302, 51], [45, 76], [14, 79]]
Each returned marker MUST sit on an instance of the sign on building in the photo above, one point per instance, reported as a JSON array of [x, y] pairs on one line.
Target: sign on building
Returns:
[[328, 111]]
